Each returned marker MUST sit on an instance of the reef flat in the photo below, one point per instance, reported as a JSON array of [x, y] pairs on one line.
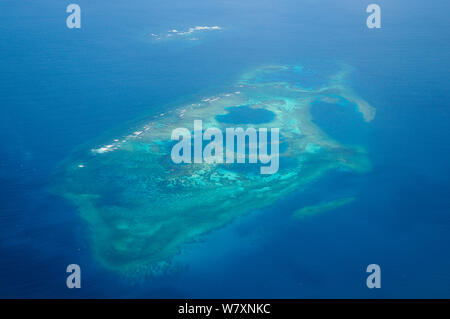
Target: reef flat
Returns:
[[141, 208]]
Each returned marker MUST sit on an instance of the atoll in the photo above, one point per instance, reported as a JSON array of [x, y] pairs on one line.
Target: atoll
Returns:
[[141, 208]]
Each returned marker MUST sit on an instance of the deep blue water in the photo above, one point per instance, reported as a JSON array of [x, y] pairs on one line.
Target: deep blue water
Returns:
[[244, 114], [341, 122], [61, 88]]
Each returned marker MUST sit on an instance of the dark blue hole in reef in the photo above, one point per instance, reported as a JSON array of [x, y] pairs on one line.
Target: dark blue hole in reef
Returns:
[[244, 114]]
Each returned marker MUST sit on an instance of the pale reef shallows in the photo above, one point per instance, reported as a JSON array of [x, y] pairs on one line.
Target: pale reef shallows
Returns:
[[141, 208]]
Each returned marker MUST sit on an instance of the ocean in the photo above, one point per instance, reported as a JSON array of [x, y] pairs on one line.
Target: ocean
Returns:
[[63, 90]]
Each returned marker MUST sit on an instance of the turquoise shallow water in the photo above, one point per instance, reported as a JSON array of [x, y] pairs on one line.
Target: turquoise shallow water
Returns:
[[64, 91]]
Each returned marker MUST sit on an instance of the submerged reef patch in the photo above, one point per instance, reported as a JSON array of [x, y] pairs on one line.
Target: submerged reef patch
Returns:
[[141, 208], [322, 207], [244, 114]]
